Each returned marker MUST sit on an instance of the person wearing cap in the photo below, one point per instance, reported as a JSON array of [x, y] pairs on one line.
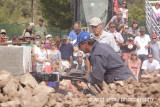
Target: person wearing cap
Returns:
[[3, 34], [151, 66], [142, 42], [27, 38], [40, 29], [101, 35], [66, 50], [106, 64], [118, 20], [155, 47], [49, 37]]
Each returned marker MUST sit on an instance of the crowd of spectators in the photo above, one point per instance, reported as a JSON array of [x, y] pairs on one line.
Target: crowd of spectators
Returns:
[[139, 51]]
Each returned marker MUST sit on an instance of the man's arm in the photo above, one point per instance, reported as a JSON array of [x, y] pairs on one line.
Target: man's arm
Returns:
[[98, 70]]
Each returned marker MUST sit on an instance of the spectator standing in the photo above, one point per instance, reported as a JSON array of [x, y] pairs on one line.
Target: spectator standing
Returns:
[[142, 42], [72, 34], [40, 29], [124, 10], [128, 45], [66, 50], [155, 47], [134, 64], [55, 57], [156, 10], [117, 36], [101, 35], [134, 30], [118, 20], [42, 56], [151, 66], [29, 30]]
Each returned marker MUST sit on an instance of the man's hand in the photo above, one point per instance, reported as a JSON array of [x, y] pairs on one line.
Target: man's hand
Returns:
[[138, 46], [147, 46]]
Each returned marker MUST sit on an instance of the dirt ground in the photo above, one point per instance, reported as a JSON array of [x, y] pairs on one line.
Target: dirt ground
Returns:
[[24, 91]]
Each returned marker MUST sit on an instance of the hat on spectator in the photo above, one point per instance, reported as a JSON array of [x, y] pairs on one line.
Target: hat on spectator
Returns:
[[142, 28], [120, 12], [31, 24], [64, 37], [41, 20], [95, 21], [3, 31], [83, 36], [48, 36], [27, 35], [154, 35]]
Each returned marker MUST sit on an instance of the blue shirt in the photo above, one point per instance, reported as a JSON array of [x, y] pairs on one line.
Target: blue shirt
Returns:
[[66, 51], [72, 35]]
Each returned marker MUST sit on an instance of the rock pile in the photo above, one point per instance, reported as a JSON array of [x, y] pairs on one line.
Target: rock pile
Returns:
[[24, 91]]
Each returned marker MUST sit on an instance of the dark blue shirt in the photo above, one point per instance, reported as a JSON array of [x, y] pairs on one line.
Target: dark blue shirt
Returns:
[[107, 65], [66, 51]]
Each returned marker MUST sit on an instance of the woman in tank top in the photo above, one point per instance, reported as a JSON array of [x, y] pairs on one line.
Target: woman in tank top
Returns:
[[134, 64]]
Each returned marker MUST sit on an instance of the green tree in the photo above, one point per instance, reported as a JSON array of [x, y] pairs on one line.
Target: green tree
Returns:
[[57, 13]]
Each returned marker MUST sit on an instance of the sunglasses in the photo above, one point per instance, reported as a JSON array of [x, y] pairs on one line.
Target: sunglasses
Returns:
[[43, 43], [37, 38], [154, 38], [150, 57], [113, 27], [134, 55], [3, 33], [126, 28], [79, 56]]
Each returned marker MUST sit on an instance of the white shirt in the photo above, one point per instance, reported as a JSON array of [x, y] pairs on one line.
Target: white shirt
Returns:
[[41, 55], [107, 38], [151, 67], [142, 42], [118, 37], [157, 11], [124, 12]]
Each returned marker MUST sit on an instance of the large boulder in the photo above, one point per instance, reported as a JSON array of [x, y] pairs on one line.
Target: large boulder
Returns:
[[5, 76]]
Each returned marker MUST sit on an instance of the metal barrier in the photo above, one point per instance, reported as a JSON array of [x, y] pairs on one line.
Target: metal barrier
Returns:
[[151, 21]]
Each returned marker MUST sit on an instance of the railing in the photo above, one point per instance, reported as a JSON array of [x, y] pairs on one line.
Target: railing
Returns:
[[151, 18]]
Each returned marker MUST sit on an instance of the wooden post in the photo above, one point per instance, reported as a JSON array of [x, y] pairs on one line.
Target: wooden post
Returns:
[[31, 10]]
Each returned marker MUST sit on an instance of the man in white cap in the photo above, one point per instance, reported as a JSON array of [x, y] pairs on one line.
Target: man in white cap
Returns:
[[101, 35], [27, 38], [49, 37]]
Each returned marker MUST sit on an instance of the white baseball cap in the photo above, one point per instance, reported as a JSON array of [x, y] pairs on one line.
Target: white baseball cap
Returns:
[[95, 21], [48, 36]]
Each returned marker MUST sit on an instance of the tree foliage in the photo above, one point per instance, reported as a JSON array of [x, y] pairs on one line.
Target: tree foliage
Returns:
[[17, 11], [57, 13], [136, 10]]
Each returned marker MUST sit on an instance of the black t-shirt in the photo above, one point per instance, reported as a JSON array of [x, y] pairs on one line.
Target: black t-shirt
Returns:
[[126, 39], [30, 32]]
